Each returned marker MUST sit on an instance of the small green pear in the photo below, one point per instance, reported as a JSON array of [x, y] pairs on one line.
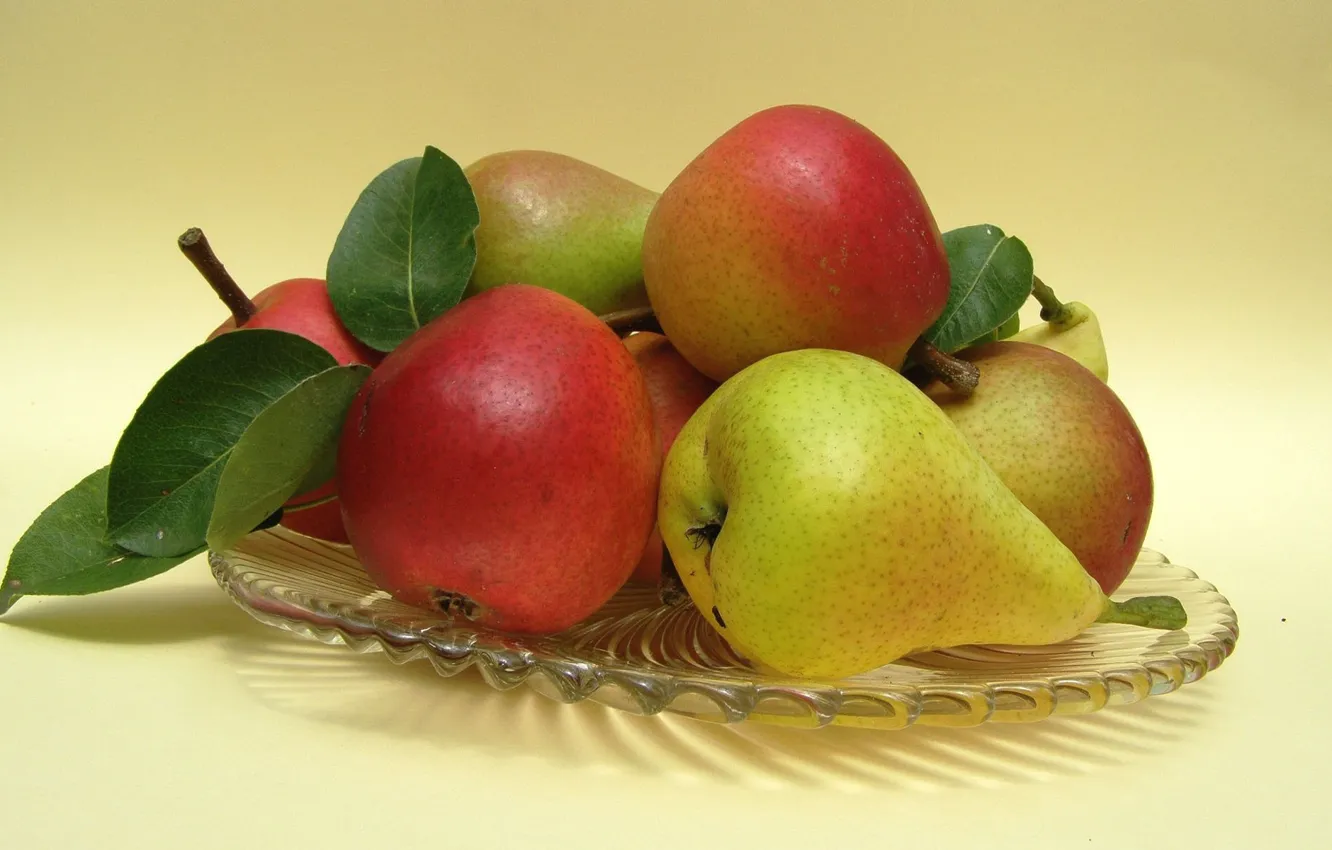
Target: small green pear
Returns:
[[1070, 328], [827, 518], [557, 222]]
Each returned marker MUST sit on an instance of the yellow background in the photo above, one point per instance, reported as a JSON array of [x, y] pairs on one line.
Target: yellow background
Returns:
[[1168, 163]]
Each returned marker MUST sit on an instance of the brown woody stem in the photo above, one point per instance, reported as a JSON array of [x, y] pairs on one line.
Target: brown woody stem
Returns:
[[958, 375], [625, 322], [1052, 309], [194, 245]]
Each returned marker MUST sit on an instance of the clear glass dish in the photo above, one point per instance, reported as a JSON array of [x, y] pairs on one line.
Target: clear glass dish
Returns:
[[641, 656]]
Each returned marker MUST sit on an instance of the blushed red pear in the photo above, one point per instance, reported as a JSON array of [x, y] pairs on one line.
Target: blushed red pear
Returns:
[[677, 389], [1067, 447], [501, 463], [299, 306], [797, 228]]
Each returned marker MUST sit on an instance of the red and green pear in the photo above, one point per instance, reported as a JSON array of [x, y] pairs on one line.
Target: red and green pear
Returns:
[[797, 228], [1066, 446], [557, 222]]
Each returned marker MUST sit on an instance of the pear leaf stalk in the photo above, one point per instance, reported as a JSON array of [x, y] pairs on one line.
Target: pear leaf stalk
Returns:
[[1153, 612]]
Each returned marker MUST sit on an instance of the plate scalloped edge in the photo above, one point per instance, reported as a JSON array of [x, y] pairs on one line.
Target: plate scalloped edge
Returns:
[[317, 590]]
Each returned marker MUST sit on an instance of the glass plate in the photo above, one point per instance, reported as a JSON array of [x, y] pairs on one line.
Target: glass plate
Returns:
[[639, 655]]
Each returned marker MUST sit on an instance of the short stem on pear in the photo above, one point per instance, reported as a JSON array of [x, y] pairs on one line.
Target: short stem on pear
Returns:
[[1152, 612], [625, 322], [1052, 309], [958, 375], [194, 245]]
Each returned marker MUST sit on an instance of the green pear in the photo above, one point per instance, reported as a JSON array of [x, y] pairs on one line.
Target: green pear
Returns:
[[553, 221], [1065, 444], [1070, 328], [827, 518]]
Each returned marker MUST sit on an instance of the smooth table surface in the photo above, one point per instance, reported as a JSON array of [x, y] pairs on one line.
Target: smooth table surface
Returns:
[[1169, 164]]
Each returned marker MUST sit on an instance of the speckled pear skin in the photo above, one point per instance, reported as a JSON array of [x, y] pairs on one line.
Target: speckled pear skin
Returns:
[[796, 228], [557, 222], [857, 524], [1065, 444]]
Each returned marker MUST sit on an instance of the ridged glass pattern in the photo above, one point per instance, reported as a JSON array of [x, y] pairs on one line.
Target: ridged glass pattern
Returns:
[[641, 656]]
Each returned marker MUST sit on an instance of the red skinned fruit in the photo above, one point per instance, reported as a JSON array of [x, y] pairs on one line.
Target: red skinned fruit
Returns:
[[501, 464], [797, 228], [1063, 442], [677, 389], [300, 306]]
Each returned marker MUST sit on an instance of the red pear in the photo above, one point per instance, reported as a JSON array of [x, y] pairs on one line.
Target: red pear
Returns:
[[677, 389], [501, 463], [1064, 443], [300, 306], [797, 228]]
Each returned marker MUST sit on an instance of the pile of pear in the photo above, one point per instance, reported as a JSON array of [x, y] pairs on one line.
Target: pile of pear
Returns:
[[525, 456]]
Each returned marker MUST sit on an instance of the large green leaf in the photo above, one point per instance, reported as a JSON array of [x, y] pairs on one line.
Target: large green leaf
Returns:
[[291, 442], [64, 551], [406, 250], [171, 456], [991, 279]]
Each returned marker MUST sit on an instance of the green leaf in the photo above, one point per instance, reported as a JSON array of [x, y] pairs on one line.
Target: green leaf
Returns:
[[1004, 331], [167, 465], [991, 277], [405, 251], [294, 440], [64, 553]]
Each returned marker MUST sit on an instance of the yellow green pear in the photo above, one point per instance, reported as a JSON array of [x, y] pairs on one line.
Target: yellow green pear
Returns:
[[828, 518], [1071, 328], [554, 221]]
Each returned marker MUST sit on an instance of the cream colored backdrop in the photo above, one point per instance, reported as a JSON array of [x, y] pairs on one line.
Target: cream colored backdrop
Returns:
[[1168, 163]]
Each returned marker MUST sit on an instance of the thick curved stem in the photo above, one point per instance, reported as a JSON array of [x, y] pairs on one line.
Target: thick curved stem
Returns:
[[194, 245], [958, 375], [1052, 309]]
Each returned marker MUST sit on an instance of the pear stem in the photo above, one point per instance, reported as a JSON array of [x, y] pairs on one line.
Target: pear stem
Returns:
[[194, 245], [958, 375], [625, 322], [1052, 309], [1153, 612]]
